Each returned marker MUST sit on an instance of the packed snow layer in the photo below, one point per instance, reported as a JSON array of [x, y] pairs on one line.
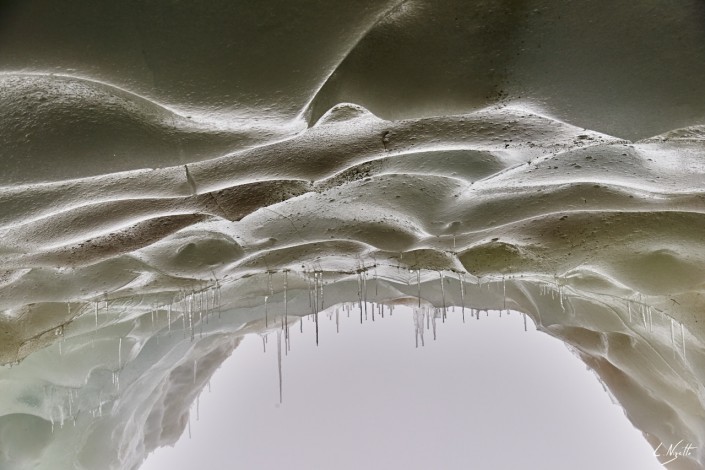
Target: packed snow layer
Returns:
[[158, 160]]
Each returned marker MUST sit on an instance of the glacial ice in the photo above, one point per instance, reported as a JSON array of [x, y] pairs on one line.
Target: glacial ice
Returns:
[[176, 176]]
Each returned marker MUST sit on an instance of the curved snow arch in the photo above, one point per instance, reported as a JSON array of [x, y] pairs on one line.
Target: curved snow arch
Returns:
[[128, 369]]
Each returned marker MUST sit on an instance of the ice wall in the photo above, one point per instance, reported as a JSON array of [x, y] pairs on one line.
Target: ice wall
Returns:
[[154, 153]]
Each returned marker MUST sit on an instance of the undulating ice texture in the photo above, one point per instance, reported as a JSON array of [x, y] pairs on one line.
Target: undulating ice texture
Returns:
[[210, 166]]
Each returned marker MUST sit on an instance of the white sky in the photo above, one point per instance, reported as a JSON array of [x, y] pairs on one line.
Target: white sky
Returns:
[[485, 395]]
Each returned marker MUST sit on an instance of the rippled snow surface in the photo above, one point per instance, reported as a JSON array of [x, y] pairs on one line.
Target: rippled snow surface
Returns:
[[164, 165]]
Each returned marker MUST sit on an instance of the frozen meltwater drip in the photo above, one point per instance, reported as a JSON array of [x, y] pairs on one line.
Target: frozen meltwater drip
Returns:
[[200, 314], [266, 312], [359, 293], [419, 326], [418, 286], [433, 322], [504, 293], [183, 313], [461, 282], [322, 284], [286, 308], [315, 303], [364, 291], [279, 363], [443, 296], [189, 307], [168, 317], [651, 320]]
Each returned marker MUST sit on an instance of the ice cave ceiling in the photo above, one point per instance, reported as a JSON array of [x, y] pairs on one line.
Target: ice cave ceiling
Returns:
[[164, 162]]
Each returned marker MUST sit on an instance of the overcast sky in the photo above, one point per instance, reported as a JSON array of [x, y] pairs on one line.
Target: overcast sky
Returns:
[[485, 395]]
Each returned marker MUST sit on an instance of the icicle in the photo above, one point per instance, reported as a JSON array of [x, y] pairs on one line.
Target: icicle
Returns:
[[198, 407], [216, 296], [629, 309], [183, 314], [310, 289], [433, 322], [359, 293], [206, 307], [315, 319], [418, 326], [337, 321], [364, 290], [418, 285], [195, 370], [643, 314], [200, 314], [190, 315], [266, 312], [279, 363], [651, 320], [462, 294], [264, 345], [201, 310], [443, 296], [96, 315], [525, 322], [286, 305], [504, 293]]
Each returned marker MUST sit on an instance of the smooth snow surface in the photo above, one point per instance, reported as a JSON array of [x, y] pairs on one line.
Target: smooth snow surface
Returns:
[[164, 164]]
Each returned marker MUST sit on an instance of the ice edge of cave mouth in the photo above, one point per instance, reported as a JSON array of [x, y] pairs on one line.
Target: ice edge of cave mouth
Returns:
[[150, 360]]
